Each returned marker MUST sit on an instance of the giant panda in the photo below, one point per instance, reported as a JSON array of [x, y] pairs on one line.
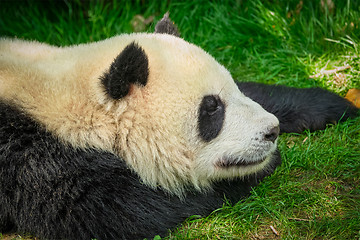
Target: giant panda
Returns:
[[127, 137]]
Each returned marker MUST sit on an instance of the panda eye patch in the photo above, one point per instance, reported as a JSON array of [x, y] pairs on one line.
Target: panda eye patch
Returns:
[[211, 117]]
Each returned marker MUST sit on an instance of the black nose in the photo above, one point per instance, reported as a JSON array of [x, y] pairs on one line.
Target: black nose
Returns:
[[272, 134]]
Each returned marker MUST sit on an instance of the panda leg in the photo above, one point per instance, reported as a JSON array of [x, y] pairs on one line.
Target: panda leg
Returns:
[[300, 109]]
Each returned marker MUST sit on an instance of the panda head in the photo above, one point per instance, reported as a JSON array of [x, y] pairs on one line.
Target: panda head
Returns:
[[180, 119]]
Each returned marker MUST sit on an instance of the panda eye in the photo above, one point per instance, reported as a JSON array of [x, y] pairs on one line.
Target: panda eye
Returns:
[[211, 117], [211, 105]]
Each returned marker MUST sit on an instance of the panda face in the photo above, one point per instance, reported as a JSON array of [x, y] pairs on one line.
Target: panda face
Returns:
[[189, 124], [243, 140]]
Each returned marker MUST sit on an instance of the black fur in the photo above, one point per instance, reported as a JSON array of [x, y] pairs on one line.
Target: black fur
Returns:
[[211, 117], [165, 25], [57, 192], [299, 109], [129, 67]]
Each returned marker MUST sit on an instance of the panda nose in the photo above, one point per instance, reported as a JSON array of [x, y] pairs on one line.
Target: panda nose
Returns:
[[272, 135]]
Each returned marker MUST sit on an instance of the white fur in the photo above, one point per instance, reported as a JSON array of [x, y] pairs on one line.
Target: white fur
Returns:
[[154, 128]]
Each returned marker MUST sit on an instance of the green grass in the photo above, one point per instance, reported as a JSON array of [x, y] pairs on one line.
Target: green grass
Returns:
[[315, 193]]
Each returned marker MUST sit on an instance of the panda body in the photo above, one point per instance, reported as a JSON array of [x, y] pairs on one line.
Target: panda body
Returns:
[[127, 137]]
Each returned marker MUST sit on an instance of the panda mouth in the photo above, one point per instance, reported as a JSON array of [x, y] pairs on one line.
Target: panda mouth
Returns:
[[229, 162]]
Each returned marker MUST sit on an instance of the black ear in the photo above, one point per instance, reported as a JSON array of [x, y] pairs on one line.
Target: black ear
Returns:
[[165, 25], [129, 67]]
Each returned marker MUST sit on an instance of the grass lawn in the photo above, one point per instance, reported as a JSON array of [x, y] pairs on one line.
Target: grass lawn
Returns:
[[315, 193]]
